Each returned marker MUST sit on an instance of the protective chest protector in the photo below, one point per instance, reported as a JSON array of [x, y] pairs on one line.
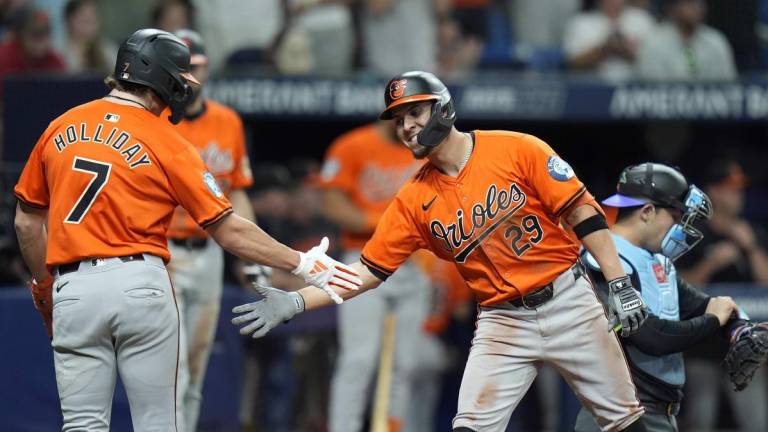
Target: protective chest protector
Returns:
[[659, 291]]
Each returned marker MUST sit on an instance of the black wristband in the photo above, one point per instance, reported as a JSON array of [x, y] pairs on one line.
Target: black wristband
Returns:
[[590, 225]]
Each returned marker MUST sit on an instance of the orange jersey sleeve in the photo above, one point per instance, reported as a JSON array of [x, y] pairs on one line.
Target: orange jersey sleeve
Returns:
[[111, 176], [217, 135], [396, 237], [370, 170], [195, 188], [498, 220], [32, 187], [553, 180]]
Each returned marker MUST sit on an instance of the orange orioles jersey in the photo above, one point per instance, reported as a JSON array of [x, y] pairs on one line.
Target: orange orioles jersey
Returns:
[[498, 220], [110, 176], [370, 170], [217, 134]]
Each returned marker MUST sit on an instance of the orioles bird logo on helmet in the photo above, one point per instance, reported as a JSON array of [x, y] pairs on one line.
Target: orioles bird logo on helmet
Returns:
[[397, 89]]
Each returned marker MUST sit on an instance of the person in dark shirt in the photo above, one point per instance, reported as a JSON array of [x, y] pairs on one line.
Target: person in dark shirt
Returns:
[[657, 208], [733, 251]]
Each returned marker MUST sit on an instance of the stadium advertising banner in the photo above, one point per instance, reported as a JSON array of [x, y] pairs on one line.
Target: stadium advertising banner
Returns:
[[526, 98], [495, 100]]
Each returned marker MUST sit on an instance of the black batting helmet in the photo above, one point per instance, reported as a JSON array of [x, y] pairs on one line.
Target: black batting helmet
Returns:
[[160, 61], [417, 86], [650, 183]]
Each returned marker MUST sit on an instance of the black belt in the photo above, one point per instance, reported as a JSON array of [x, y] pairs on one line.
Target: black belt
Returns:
[[668, 408], [190, 242], [74, 266], [539, 296]]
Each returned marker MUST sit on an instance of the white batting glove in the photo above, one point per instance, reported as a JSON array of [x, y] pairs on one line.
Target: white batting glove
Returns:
[[324, 272]]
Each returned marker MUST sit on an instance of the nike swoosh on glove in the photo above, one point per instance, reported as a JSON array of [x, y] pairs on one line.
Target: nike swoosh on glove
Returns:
[[324, 272]]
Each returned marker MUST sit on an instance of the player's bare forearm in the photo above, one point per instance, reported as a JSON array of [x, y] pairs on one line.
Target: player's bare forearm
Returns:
[[758, 259], [245, 239], [30, 231], [241, 205], [339, 209], [599, 243], [315, 298]]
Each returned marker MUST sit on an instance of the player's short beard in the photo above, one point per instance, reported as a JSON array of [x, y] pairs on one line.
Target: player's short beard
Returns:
[[421, 151]]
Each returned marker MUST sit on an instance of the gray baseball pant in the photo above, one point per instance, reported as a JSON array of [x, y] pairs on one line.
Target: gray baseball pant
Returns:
[[570, 332], [113, 317]]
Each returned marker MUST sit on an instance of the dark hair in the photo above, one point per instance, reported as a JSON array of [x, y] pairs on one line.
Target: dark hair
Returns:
[[94, 56], [72, 6], [128, 87], [28, 17], [162, 5], [626, 212]]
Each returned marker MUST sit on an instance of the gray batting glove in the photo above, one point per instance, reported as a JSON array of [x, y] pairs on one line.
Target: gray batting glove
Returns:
[[275, 308], [625, 306]]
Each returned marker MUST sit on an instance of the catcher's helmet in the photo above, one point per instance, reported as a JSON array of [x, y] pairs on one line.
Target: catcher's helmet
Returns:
[[650, 183], [663, 185], [160, 61], [417, 86]]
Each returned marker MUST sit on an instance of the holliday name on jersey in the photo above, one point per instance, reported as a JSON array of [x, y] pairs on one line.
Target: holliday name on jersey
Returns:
[[116, 139]]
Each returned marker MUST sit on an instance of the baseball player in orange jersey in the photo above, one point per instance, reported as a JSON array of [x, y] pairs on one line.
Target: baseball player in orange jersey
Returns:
[[95, 201], [493, 202], [363, 170], [197, 262]]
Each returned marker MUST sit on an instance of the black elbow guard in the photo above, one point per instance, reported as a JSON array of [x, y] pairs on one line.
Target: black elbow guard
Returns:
[[590, 225]]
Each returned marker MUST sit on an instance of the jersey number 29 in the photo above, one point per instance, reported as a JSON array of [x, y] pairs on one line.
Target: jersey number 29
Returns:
[[100, 172], [532, 227]]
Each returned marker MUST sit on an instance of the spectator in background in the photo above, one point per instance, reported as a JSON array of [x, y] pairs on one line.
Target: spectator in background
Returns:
[[248, 28], [400, 35], [327, 27], [733, 251], [472, 17], [684, 48], [738, 20], [7, 7], [605, 40], [457, 54], [541, 23], [84, 48], [27, 49], [173, 15]]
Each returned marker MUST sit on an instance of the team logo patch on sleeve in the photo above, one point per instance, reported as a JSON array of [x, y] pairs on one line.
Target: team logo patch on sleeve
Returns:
[[213, 186], [559, 169]]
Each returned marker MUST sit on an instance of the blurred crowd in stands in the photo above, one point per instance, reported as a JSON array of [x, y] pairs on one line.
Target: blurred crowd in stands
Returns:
[[611, 39], [616, 40]]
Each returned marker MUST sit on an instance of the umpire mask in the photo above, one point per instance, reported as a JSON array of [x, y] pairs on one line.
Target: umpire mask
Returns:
[[683, 236]]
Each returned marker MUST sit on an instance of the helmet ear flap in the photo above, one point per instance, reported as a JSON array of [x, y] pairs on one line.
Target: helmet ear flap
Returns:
[[438, 126], [179, 99]]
